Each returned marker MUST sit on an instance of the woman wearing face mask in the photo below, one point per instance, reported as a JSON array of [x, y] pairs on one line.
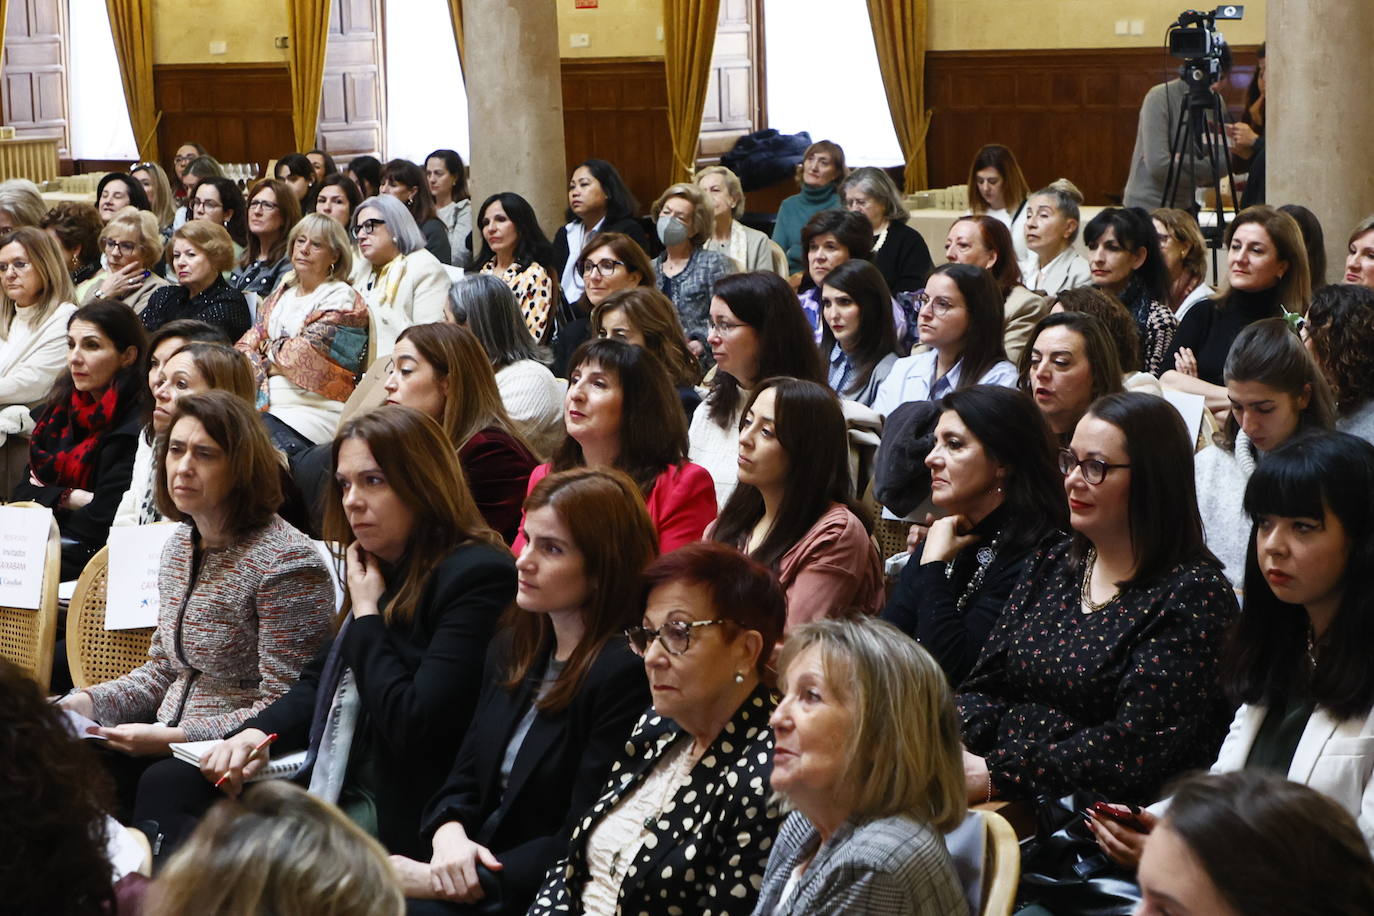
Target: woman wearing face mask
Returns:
[[818, 175], [621, 412], [644, 317], [405, 181], [1126, 262], [1185, 257], [984, 241], [1276, 392], [201, 252], [402, 283], [608, 263], [899, 252], [1339, 333], [447, 179], [686, 271], [997, 188], [960, 322], [746, 246], [793, 511], [515, 249], [598, 203], [272, 211], [994, 479], [81, 450], [858, 340], [831, 238], [1051, 230], [133, 246], [1071, 362]]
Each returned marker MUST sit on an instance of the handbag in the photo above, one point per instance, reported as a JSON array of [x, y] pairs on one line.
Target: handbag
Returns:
[[1065, 871]]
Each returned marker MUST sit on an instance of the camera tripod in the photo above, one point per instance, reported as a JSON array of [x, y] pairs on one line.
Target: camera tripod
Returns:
[[1192, 133]]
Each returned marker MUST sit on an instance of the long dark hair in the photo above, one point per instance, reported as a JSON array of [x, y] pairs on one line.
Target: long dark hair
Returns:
[[454, 164], [809, 424], [532, 245], [983, 347], [231, 198], [653, 429], [1014, 434], [787, 346], [367, 172], [1267, 351], [864, 283], [1149, 283], [1310, 476], [119, 323], [405, 172], [1340, 328], [620, 203]]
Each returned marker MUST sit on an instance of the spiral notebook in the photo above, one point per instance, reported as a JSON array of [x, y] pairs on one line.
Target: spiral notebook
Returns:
[[279, 767]]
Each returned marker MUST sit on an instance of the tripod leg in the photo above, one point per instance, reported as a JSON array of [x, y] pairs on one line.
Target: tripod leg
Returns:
[[1178, 151]]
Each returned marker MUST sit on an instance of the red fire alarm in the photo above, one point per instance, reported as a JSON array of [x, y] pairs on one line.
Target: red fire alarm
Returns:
[[585, 5]]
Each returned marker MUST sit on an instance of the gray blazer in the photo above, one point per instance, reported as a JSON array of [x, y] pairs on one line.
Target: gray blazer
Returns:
[[893, 865]]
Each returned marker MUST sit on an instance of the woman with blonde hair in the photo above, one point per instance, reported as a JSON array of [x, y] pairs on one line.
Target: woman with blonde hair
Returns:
[[687, 271], [201, 251], [749, 248], [20, 204], [277, 851], [819, 175], [866, 750], [1185, 257], [273, 212], [132, 244], [646, 318], [310, 338], [158, 187]]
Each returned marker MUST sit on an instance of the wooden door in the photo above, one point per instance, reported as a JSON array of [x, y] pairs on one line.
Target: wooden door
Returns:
[[734, 97], [352, 102], [35, 70]]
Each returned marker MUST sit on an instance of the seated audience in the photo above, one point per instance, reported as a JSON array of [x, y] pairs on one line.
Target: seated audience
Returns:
[[561, 690], [296, 172], [1124, 254], [220, 201], [198, 170], [309, 340], [867, 754], [1051, 231], [749, 248], [158, 187], [1313, 242], [81, 449], [181, 162], [447, 179], [441, 370], [1101, 674], [756, 332], [515, 249], [1072, 361], [858, 339], [818, 176], [685, 819], [646, 318], [960, 323], [899, 252], [608, 263], [405, 181], [115, 191], [685, 270], [20, 205], [272, 212], [201, 253], [1121, 330], [997, 188], [1276, 392], [1185, 258], [75, 227], [995, 481], [383, 710], [794, 511], [132, 244], [1339, 333], [245, 598], [1359, 264], [402, 283], [532, 396], [831, 238], [321, 164], [621, 412], [366, 172], [277, 851], [984, 241], [598, 203], [337, 197]]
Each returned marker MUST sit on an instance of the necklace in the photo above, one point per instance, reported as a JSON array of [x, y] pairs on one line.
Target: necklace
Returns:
[[1085, 588], [985, 555], [881, 237], [1311, 648]]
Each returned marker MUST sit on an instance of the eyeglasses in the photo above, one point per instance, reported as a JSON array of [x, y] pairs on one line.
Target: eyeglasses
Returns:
[[268, 205], [941, 307], [201, 203], [367, 227], [675, 636], [112, 246], [724, 327], [604, 268], [184, 159], [1094, 469]]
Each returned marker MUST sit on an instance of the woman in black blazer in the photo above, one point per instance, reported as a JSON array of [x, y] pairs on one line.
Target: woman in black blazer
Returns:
[[562, 691], [598, 201]]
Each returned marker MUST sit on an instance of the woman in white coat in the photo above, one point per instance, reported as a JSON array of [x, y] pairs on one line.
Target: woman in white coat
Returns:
[[401, 282]]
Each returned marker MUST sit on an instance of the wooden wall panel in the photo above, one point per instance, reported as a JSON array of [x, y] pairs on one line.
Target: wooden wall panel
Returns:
[[1065, 113], [239, 112], [617, 109]]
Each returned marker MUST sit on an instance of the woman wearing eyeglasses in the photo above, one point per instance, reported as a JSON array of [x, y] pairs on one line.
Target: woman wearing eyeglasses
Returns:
[[402, 282], [683, 822], [132, 244], [561, 690], [609, 263], [272, 211], [1102, 672], [219, 200]]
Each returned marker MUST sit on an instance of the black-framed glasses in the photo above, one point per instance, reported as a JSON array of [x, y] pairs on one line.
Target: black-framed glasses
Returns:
[[264, 204], [367, 227], [940, 306], [1094, 469], [675, 635], [112, 246], [605, 267], [204, 203]]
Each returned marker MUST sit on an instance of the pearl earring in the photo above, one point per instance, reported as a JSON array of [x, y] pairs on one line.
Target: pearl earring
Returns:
[[739, 677]]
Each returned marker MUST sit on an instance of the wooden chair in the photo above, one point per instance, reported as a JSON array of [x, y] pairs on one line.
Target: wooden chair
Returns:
[[95, 654], [1001, 865], [29, 637]]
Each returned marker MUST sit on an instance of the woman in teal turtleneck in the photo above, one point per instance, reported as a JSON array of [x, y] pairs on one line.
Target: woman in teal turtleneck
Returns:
[[820, 173]]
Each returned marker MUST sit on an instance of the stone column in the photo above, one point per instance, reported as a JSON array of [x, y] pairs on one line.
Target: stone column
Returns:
[[515, 106], [1319, 115]]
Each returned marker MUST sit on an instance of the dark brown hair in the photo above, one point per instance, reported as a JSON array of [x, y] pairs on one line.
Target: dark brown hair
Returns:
[[405, 172], [289, 208], [1267, 351], [655, 317], [1115, 317], [999, 157], [1340, 327], [996, 238], [78, 225], [864, 283], [983, 347], [1098, 347]]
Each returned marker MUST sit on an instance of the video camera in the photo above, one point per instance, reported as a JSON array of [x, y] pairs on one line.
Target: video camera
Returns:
[[1194, 37]]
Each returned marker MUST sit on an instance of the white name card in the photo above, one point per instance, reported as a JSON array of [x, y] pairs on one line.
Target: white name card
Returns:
[[23, 555], [1191, 408], [131, 596]]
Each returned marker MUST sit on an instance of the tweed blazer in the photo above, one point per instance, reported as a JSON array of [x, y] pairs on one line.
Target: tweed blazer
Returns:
[[707, 850], [230, 639]]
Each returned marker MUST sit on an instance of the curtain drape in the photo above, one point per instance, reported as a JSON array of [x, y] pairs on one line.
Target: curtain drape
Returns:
[[131, 25], [899, 34], [455, 15], [308, 28], [689, 39]]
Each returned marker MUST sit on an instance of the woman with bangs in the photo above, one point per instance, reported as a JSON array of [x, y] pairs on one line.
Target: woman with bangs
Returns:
[[620, 412], [133, 247], [646, 318], [1125, 261]]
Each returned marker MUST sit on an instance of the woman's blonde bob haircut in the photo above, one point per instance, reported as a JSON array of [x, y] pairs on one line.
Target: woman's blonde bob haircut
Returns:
[[277, 850], [703, 214], [211, 238], [319, 228], [46, 258], [144, 225], [1184, 229], [903, 752], [732, 186]]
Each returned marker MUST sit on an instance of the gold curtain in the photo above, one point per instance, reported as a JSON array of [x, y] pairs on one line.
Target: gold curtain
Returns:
[[131, 25], [899, 33], [308, 29], [689, 38], [455, 14]]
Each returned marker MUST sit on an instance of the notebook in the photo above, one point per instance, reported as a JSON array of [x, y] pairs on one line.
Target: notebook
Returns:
[[279, 767]]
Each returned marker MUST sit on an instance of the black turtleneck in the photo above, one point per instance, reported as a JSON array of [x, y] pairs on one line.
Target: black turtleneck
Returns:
[[1211, 326]]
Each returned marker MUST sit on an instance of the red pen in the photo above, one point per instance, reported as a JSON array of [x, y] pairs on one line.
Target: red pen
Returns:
[[262, 745]]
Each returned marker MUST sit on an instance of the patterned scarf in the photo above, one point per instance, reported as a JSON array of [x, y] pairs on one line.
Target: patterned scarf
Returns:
[[63, 446]]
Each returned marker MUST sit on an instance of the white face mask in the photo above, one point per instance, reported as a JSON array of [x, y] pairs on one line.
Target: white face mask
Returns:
[[671, 231]]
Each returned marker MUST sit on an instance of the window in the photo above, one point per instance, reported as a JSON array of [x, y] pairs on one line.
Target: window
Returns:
[[427, 102], [100, 126]]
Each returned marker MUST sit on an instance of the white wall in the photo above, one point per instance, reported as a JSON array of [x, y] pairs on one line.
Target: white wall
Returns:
[[427, 103]]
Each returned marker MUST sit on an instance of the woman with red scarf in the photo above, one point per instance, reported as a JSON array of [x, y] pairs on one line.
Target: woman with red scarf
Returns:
[[81, 451]]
